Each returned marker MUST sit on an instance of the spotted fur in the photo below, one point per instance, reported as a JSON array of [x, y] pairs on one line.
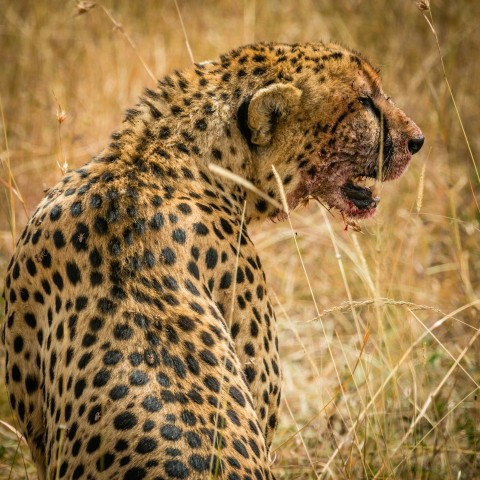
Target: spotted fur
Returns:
[[140, 339]]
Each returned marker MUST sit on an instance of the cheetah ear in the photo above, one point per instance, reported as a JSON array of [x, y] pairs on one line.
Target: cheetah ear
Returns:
[[267, 106]]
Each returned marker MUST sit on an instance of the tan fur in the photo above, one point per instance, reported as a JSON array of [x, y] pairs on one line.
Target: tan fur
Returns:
[[140, 339]]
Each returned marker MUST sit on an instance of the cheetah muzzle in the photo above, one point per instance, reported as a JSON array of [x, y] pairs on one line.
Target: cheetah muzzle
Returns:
[[140, 339]]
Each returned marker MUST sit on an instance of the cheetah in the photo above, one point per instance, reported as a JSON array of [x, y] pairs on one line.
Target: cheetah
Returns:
[[140, 340]]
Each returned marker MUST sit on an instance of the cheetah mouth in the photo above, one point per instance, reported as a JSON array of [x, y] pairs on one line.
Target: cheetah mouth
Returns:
[[358, 199]]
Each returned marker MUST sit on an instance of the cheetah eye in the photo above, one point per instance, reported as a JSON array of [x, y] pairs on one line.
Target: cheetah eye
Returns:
[[369, 104], [366, 102]]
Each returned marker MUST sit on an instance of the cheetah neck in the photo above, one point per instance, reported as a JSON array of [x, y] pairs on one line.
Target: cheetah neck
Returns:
[[175, 125]]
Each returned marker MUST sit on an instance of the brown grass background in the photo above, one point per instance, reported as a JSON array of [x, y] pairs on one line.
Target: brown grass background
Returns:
[[381, 388]]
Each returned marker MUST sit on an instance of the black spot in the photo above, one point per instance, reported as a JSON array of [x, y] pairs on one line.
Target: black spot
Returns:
[[148, 425], [179, 236], [114, 246], [187, 324], [233, 417], [78, 472], [193, 269], [16, 374], [227, 228], [35, 238], [94, 444], [79, 387], [135, 473], [55, 213], [80, 237], [118, 392], [46, 258], [211, 258], [239, 446], [192, 365], [31, 267], [200, 229], [192, 289], [184, 208], [235, 330], [199, 463], [96, 324], [106, 305], [149, 259], [170, 432], [121, 445], [18, 344], [182, 147], [84, 360], [58, 280], [193, 440], [212, 383], [195, 253], [30, 320], [188, 418], [125, 421], [58, 239], [272, 421], [95, 258], [258, 71], [73, 273], [170, 283], [260, 292], [208, 108], [249, 349], [100, 225], [141, 320], [151, 404], [146, 445], [225, 281], [138, 378], [21, 410], [176, 469], [241, 302], [101, 378], [122, 332], [201, 124], [31, 383], [157, 221], [164, 132], [205, 208], [96, 278], [37, 296], [16, 270], [261, 206], [217, 154], [105, 462], [63, 469], [24, 295], [81, 303], [76, 209], [163, 380], [237, 395], [208, 357], [95, 201], [135, 359]]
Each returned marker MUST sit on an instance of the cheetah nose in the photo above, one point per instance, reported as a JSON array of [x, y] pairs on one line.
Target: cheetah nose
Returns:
[[415, 144]]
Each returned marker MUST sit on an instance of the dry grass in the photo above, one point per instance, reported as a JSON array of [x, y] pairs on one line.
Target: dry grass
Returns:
[[379, 331]]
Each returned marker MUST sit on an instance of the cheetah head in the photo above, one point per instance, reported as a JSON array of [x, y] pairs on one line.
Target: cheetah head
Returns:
[[328, 131]]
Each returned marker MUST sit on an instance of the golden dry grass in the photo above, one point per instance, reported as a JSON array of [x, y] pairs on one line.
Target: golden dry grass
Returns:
[[379, 331]]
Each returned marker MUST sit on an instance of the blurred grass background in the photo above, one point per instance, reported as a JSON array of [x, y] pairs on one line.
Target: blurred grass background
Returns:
[[383, 388]]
